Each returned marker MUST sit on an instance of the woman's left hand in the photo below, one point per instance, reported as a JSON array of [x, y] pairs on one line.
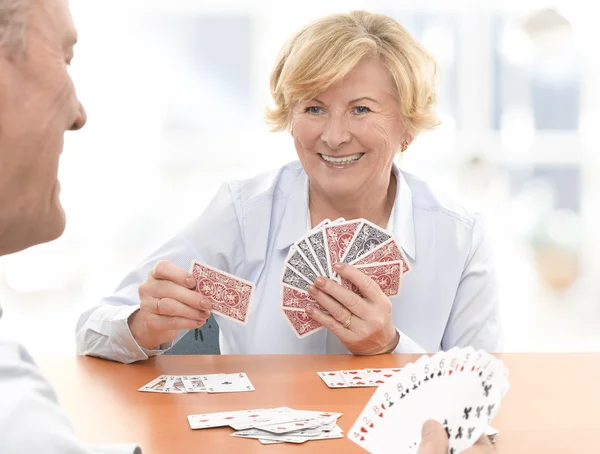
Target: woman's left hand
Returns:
[[363, 325]]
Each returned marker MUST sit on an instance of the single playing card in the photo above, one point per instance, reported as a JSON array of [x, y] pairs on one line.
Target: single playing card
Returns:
[[380, 376], [389, 251], [231, 295], [316, 241], [387, 276], [221, 419], [155, 386], [357, 378], [300, 265], [295, 299], [338, 238], [333, 379], [193, 384], [293, 279], [174, 385], [310, 427], [227, 383], [301, 323], [367, 238], [308, 254]]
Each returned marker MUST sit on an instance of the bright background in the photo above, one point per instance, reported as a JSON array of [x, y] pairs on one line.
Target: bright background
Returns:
[[175, 93]]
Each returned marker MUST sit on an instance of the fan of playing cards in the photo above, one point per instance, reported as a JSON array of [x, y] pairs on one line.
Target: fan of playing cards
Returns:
[[359, 242], [460, 388]]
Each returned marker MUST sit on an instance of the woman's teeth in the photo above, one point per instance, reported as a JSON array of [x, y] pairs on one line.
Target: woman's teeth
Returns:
[[343, 160]]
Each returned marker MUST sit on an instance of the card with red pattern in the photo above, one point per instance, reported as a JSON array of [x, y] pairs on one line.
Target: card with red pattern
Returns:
[[338, 238], [231, 295], [389, 251], [387, 276], [301, 322]]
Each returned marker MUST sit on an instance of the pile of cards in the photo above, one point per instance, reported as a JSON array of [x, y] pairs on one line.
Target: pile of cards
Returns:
[[274, 425], [359, 242], [358, 378], [214, 383], [231, 295], [461, 388]]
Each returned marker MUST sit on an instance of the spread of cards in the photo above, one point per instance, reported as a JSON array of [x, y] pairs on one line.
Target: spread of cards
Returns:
[[274, 425], [213, 383], [358, 378], [460, 388], [360, 243]]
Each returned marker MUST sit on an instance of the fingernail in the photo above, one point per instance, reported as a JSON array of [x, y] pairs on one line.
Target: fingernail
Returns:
[[312, 290], [320, 281], [429, 428], [190, 282], [338, 266], [309, 309]]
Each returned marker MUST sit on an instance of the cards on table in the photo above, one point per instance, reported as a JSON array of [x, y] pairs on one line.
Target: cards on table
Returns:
[[231, 295], [273, 425], [460, 388], [213, 383], [373, 250], [358, 378]]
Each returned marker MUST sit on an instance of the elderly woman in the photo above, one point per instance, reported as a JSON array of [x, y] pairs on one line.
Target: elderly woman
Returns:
[[354, 90]]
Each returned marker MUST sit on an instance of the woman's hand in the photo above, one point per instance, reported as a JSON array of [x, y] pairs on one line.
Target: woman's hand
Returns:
[[363, 325], [168, 303], [435, 441]]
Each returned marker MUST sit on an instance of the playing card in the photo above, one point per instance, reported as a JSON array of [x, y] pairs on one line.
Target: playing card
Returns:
[[274, 416], [227, 383], [301, 323], [337, 239], [333, 379], [292, 298], [301, 266], [308, 254], [193, 384], [231, 295], [174, 385], [221, 419], [293, 279], [366, 239], [389, 251], [316, 241], [380, 376], [291, 438], [310, 427], [357, 378], [155, 386], [387, 276]]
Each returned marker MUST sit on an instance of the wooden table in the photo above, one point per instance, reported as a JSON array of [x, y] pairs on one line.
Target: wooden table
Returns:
[[553, 405]]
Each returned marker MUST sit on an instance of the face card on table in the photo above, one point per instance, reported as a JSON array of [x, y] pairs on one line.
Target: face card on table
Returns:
[[155, 386], [367, 238], [174, 385], [193, 384], [231, 295], [227, 383]]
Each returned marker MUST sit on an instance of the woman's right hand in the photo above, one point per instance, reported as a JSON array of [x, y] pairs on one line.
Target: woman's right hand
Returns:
[[168, 304]]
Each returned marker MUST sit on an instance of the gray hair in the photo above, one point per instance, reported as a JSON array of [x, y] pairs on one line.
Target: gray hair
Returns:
[[13, 23]]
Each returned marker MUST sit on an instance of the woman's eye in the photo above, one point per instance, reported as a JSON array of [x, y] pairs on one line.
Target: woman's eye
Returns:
[[314, 110], [361, 110]]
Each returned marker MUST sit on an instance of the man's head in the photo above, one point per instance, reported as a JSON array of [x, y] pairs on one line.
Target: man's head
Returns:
[[37, 105]]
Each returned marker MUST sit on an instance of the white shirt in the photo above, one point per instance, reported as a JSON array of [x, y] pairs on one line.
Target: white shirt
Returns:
[[449, 299], [31, 421]]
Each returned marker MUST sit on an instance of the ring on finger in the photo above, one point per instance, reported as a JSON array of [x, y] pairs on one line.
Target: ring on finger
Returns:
[[346, 324], [158, 306]]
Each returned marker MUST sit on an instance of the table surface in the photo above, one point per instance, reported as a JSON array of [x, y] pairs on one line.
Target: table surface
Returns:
[[553, 405]]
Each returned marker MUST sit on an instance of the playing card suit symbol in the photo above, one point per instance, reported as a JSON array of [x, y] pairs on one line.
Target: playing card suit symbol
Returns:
[[439, 373], [387, 375], [340, 383], [450, 372], [360, 382], [396, 370], [377, 370], [379, 381], [229, 417], [362, 429], [331, 374], [462, 368], [383, 406], [362, 438], [204, 420], [301, 424], [371, 425], [354, 372]]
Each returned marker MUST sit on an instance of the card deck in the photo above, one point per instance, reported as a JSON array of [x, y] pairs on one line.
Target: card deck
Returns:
[[231, 295]]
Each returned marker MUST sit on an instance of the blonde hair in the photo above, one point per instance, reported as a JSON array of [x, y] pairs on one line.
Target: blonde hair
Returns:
[[325, 51]]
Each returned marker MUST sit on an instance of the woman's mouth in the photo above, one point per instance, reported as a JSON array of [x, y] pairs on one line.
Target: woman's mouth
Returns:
[[342, 160]]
